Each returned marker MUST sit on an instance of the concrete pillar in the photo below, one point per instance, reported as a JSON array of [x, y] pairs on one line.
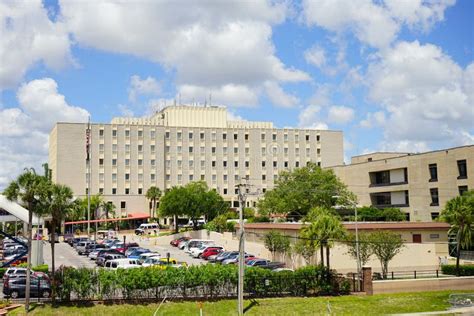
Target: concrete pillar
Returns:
[[367, 279]]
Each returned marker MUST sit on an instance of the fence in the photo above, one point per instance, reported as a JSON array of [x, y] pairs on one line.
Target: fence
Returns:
[[415, 274]]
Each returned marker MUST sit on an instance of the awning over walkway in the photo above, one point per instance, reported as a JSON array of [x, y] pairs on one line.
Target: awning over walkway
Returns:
[[135, 216], [17, 211]]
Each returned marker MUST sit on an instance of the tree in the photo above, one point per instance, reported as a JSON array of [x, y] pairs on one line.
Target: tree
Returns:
[[296, 192], [276, 242], [365, 249], [173, 204], [153, 194], [459, 212], [370, 213], [306, 249], [385, 245], [27, 189], [324, 227], [60, 202]]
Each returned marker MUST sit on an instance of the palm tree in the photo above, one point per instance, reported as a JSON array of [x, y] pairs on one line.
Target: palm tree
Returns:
[[60, 203], [459, 212], [324, 227], [27, 189], [153, 194]]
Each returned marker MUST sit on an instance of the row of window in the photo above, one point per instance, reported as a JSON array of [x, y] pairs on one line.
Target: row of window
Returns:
[[202, 135], [462, 170], [127, 191], [435, 194], [225, 177]]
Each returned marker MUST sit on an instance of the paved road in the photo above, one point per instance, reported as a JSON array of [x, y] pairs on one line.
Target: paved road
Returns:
[[65, 255]]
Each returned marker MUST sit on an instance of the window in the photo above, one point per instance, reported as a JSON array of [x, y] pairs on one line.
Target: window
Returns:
[[236, 136], [179, 149], [179, 135], [202, 136], [180, 178], [190, 135], [191, 177], [127, 162], [263, 163], [167, 135], [152, 162], [101, 190], [114, 190], [307, 152], [114, 147], [236, 177], [101, 161], [462, 189], [285, 151], [247, 151], [168, 163], [225, 191], [152, 177], [462, 169], [203, 150], [274, 137], [168, 177], [140, 162], [236, 164], [140, 148], [140, 177], [140, 191], [101, 147], [127, 191], [191, 149], [179, 163], [263, 136], [434, 216], [152, 148], [114, 177], [152, 134], [167, 149], [225, 178], [318, 138], [213, 163], [123, 204], [101, 177], [224, 164], [275, 164], [297, 151], [285, 164], [127, 133], [264, 151], [213, 136], [127, 176], [214, 178], [246, 136], [318, 151], [224, 136], [191, 163], [236, 191], [224, 150], [285, 137], [297, 164], [140, 133], [434, 197], [114, 162], [114, 133], [264, 177], [213, 150], [203, 163], [297, 138], [247, 164], [202, 177], [382, 177], [236, 150], [433, 172], [307, 138], [127, 147]]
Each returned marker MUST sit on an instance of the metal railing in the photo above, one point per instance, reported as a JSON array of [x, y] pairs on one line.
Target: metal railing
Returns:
[[415, 274]]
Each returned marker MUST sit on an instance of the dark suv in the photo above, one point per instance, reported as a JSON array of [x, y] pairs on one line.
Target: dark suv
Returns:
[[40, 286]]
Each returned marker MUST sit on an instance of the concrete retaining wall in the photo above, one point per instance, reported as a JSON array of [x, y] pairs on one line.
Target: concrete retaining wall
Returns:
[[420, 285]]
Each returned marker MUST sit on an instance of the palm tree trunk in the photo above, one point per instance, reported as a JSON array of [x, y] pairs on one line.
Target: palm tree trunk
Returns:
[[53, 241], [327, 255], [154, 208], [28, 257], [176, 224], [321, 249], [458, 250]]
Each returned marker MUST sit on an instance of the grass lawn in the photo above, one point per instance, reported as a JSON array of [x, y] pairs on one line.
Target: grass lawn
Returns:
[[343, 305]]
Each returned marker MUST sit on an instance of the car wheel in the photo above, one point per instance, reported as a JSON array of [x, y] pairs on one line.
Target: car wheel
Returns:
[[45, 294], [14, 294]]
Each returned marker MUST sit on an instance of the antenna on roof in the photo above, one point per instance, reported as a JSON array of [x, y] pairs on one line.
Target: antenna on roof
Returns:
[[179, 98], [210, 98]]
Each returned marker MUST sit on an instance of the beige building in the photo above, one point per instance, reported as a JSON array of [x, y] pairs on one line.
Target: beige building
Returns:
[[419, 184], [181, 144]]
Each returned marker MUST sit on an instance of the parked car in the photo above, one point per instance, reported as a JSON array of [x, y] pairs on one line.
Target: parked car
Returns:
[[224, 255], [195, 243], [183, 244], [266, 264], [197, 252], [124, 247], [67, 237], [14, 273], [211, 251], [135, 254], [103, 259], [175, 242], [124, 263], [151, 261], [235, 258], [81, 246], [93, 247], [103, 252], [147, 228], [146, 255], [77, 240], [40, 286]]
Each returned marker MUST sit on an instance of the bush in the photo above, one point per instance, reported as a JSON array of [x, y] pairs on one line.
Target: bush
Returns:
[[464, 270]]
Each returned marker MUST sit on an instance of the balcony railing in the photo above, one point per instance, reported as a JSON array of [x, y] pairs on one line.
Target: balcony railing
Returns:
[[373, 185]]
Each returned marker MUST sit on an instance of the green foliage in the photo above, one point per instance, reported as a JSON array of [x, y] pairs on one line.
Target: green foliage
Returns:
[[220, 224], [373, 214], [365, 247], [259, 219], [385, 245], [464, 270], [296, 192], [210, 281], [306, 249], [249, 212], [276, 242], [153, 194]]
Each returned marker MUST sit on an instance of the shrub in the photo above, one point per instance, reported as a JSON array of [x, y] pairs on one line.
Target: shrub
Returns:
[[464, 270]]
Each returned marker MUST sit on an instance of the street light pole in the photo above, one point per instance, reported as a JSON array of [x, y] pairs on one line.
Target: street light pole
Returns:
[[88, 161], [240, 289], [357, 248]]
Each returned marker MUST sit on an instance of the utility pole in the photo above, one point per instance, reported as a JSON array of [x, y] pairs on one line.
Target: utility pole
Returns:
[[88, 163], [242, 198], [357, 248]]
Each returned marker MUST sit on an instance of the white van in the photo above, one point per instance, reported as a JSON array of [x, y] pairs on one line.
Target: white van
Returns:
[[147, 228], [195, 243], [200, 222], [124, 263]]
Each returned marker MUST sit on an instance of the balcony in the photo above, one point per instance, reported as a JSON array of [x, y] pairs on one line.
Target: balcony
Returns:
[[388, 177], [384, 184]]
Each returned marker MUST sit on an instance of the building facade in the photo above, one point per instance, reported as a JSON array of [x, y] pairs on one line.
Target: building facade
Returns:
[[178, 145], [418, 184]]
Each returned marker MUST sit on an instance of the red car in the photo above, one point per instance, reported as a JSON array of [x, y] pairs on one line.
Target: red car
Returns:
[[210, 252], [175, 242]]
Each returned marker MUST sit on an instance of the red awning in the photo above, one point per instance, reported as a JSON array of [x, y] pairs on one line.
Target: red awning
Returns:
[[130, 217]]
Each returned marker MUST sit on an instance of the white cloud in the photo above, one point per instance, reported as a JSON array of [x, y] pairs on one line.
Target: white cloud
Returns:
[[340, 114], [427, 95], [229, 94], [315, 56], [27, 38], [125, 110], [373, 119], [24, 130], [148, 86], [322, 95], [279, 97], [217, 47], [375, 23], [309, 115], [232, 116]]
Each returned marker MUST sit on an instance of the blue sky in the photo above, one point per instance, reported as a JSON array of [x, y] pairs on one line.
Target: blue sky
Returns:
[[394, 75]]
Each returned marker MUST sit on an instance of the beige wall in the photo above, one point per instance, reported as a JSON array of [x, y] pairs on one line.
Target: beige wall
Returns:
[[421, 285], [356, 177]]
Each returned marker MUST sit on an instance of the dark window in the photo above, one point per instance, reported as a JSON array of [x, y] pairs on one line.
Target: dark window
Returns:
[[263, 136], [114, 191], [433, 172], [434, 197], [236, 203], [417, 238], [434, 216], [190, 135], [407, 198], [382, 177], [274, 137], [101, 161], [286, 164], [224, 163], [462, 169], [140, 191], [318, 138], [101, 132], [201, 135], [246, 136], [191, 149], [274, 164], [247, 164], [123, 204], [225, 191], [167, 135], [297, 164], [114, 133], [307, 137], [236, 136], [236, 164], [127, 191], [319, 163], [369, 159], [263, 164], [213, 163], [213, 150], [101, 190], [236, 192], [224, 136], [462, 189], [383, 199], [127, 176]]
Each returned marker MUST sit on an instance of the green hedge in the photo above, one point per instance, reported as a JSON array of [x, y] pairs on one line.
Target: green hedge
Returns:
[[205, 281], [464, 270]]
